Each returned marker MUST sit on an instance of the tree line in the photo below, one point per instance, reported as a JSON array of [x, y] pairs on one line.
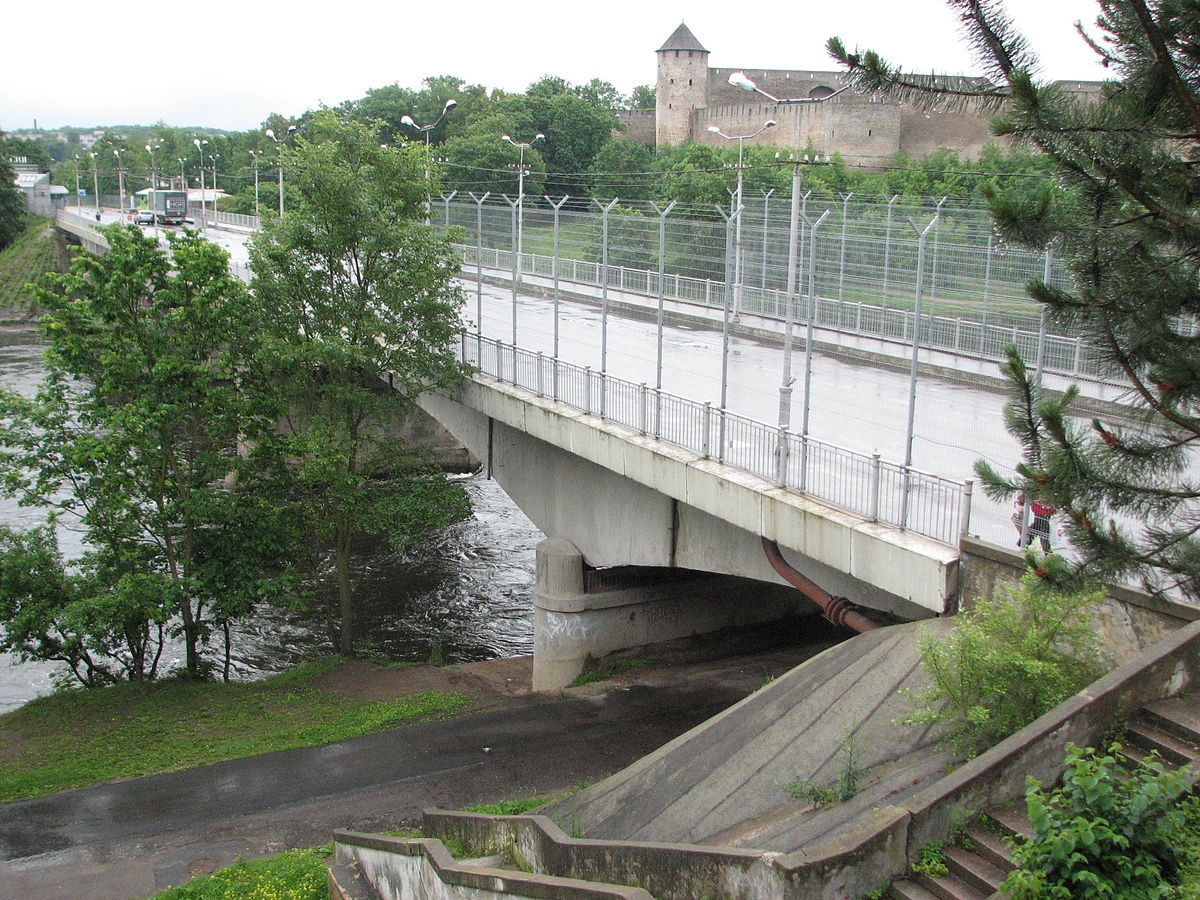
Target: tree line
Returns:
[[222, 446]]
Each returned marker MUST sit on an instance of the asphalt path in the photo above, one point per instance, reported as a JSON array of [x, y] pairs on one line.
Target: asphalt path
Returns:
[[136, 837]]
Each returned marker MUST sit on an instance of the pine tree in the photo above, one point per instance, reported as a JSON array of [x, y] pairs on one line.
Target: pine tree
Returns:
[[1123, 213]]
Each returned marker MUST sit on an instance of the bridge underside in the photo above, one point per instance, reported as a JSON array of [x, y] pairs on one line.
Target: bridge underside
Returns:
[[624, 499]]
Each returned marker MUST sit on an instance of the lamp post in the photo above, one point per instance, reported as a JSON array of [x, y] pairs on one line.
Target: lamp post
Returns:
[[200, 145], [255, 154], [77, 180], [737, 236], [279, 142], [153, 188], [182, 181], [425, 130], [522, 147], [95, 185], [213, 157], [120, 179], [739, 80]]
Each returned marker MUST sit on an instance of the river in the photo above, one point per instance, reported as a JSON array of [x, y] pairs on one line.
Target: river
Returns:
[[463, 595]]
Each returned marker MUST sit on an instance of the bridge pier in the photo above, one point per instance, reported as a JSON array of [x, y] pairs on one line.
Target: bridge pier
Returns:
[[582, 615]]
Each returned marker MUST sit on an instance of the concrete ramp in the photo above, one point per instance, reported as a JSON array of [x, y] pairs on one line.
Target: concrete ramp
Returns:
[[710, 784]]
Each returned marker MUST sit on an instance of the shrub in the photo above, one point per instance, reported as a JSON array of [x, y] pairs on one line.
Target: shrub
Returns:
[[1107, 832], [1007, 661]]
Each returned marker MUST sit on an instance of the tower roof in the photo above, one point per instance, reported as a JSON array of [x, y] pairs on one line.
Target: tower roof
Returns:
[[682, 39]]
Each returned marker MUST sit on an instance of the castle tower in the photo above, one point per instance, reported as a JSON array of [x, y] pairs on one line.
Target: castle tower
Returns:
[[682, 86]]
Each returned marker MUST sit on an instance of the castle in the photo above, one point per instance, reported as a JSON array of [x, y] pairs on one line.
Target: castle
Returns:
[[865, 129]]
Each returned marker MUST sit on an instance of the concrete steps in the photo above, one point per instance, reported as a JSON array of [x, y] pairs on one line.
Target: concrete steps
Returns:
[[1168, 730]]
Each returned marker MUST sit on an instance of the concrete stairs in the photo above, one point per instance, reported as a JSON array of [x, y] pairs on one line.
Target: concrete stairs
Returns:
[[977, 865]]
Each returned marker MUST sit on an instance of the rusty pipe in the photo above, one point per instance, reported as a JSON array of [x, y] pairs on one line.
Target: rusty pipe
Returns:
[[837, 610]]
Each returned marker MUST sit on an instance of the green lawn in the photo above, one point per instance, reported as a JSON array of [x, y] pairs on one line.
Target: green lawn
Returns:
[[296, 875], [39, 249], [82, 737]]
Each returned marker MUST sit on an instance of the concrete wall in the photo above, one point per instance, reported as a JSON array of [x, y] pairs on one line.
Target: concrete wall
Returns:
[[881, 847], [626, 499], [1130, 621], [574, 626], [398, 869]]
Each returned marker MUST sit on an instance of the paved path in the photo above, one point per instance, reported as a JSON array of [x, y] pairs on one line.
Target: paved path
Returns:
[[134, 838]]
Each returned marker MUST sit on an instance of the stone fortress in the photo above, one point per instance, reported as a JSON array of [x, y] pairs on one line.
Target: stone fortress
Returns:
[[866, 130]]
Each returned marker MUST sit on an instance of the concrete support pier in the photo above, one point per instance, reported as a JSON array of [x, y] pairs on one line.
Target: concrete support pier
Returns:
[[582, 615]]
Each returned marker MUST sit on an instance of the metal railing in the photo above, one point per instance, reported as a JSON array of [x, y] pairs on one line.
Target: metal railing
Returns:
[[960, 336], [858, 483]]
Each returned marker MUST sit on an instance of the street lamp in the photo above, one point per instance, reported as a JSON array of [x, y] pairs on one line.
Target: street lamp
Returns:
[[255, 154], [520, 215], [737, 239], [200, 145], [739, 80], [213, 157], [153, 188], [95, 185], [425, 130], [279, 142], [120, 179]]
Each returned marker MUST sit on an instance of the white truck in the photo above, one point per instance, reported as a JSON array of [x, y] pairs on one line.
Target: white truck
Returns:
[[169, 207]]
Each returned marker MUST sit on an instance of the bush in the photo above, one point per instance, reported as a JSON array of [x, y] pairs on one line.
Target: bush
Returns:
[[1006, 662], [1107, 832]]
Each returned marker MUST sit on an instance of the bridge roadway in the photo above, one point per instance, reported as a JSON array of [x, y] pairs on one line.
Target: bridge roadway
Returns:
[[856, 405]]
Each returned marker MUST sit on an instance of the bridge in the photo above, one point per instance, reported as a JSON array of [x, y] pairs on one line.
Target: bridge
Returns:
[[631, 414]]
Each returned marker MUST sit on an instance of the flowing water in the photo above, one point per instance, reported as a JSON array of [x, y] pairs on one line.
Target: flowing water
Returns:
[[462, 595]]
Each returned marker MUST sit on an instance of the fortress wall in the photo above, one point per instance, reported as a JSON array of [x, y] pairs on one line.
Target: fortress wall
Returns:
[[782, 83], [639, 125], [865, 133], [965, 133]]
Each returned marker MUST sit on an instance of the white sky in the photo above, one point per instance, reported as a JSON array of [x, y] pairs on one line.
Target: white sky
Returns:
[[228, 64]]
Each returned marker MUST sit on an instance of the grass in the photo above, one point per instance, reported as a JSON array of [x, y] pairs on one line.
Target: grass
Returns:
[[295, 875], [614, 668], [39, 249], [80, 738]]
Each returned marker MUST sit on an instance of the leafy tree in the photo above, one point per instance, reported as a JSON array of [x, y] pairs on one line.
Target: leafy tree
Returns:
[[631, 159], [12, 207], [148, 432], [1126, 227], [602, 95], [362, 314], [1007, 661], [643, 97]]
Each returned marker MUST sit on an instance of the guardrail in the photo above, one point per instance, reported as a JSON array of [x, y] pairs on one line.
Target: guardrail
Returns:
[[858, 483], [963, 337]]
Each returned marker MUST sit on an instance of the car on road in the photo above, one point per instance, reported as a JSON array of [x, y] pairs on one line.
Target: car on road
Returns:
[[143, 217]]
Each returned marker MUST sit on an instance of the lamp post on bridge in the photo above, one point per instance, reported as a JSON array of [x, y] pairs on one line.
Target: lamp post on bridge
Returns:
[[425, 130], [279, 142], [520, 209], [737, 204], [254, 155], [95, 185], [200, 145], [120, 180], [150, 148]]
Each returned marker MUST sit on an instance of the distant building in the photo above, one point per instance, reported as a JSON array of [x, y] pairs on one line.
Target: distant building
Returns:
[[865, 129], [36, 188]]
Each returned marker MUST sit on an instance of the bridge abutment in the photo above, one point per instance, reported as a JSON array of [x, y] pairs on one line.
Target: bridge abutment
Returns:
[[583, 614]]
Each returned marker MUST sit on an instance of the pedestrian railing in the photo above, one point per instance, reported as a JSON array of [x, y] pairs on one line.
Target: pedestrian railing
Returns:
[[865, 485]]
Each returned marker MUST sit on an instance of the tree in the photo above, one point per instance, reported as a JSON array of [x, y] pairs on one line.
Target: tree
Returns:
[[643, 97], [1127, 226], [12, 207], [148, 431], [362, 313]]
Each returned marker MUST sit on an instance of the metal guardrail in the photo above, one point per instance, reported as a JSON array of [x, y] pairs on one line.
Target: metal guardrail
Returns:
[[858, 483], [968, 338]]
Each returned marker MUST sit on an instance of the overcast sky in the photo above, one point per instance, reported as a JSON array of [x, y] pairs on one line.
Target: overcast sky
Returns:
[[229, 64]]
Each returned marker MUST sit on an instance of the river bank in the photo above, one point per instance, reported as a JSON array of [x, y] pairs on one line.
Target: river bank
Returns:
[[136, 837]]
